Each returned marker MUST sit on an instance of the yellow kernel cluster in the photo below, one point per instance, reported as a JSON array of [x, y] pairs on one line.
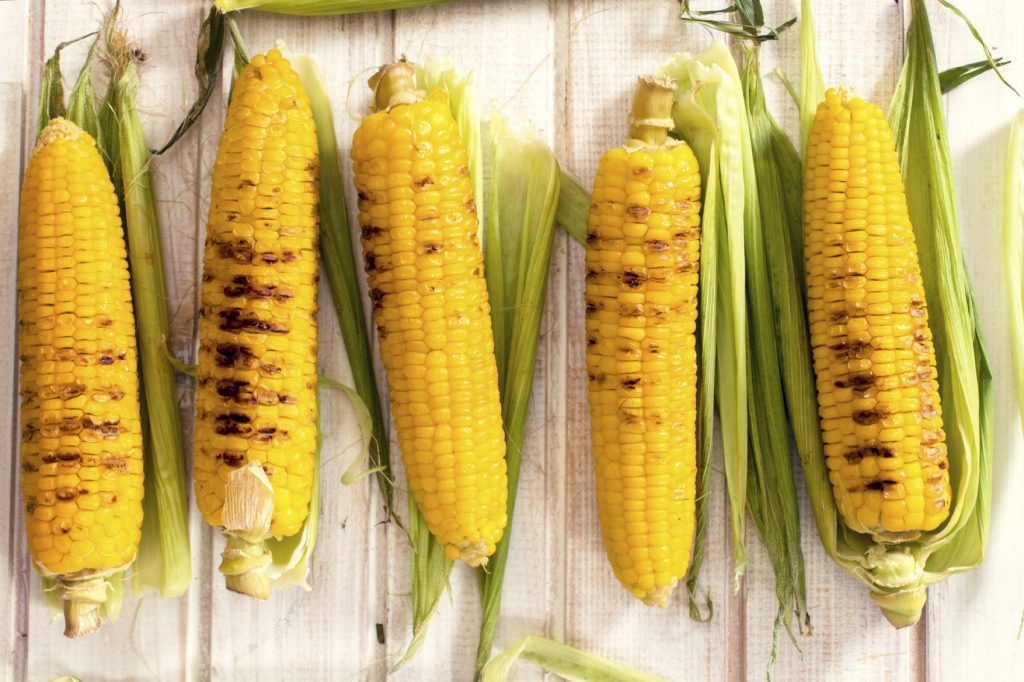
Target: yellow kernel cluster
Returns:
[[643, 251], [425, 269], [81, 438], [257, 328], [878, 393]]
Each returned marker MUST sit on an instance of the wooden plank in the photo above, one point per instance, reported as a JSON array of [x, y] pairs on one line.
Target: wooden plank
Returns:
[[16, 38], [849, 632], [152, 631], [986, 602], [610, 44], [11, 524], [510, 47], [331, 630]]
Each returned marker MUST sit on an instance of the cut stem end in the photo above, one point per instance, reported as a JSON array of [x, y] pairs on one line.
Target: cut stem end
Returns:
[[82, 601], [650, 118], [395, 84]]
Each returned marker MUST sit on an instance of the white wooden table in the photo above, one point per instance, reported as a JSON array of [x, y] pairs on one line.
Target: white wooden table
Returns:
[[567, 66]]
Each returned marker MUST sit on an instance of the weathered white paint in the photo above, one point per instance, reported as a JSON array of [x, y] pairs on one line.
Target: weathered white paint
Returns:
[[565, 67]]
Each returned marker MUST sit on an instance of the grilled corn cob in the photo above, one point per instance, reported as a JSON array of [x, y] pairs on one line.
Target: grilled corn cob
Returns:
[[878, 393], [256, 409], [425, 271], [81, 433], [643, 250]]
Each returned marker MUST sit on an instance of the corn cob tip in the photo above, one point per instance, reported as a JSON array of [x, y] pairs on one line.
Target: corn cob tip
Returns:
[[59, 128], [650, 117], [395, 84], [82, 599], [473, 553], [902, 609], [659, 596]]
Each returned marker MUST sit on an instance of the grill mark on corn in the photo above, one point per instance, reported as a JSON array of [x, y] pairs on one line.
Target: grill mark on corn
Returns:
[[874, 360]]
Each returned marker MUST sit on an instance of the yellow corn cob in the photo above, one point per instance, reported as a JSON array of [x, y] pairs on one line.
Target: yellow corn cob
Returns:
[[81, 433], [425, 271], [878, 394], [256, 409], [643, 251]]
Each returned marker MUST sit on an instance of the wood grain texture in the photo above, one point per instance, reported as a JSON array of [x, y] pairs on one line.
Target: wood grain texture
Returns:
[[566, 67], [989, 600]]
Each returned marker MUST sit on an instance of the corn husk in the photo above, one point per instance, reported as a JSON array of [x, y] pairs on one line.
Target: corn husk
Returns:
[[310, 8], [562, 660], [897, 576], [164, 559], [709, 115], [776, 315], [757, 178], [339, 265], [1013, 250], [519, 233]]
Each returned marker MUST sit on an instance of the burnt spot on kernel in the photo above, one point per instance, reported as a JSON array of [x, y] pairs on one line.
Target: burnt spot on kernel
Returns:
[[233, 320], [638, 212], [423, 182], [432, 247], [230, 388], [632, 279], [232, 459], [867, 417], [657, 245], [377, 298]]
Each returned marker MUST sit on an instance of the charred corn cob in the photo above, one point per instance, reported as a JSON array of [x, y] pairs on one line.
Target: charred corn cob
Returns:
[[425, 269], [878, 393], [81, 433], [642, 258], [256, 409]]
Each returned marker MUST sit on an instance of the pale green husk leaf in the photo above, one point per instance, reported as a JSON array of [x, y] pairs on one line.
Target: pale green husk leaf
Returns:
[[320, 7], [164, 559], [1013, 250], [524, 193], [709, 114], [562, 660]]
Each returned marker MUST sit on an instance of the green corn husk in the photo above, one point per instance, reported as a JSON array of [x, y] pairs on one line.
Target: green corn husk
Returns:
[[339, 264], [764, 181], [310, 8], [164, 559], [776, 316], [572, 214], [573, 209], [560, 659], [898, 575], [1013, 250], [709, 115], [524, 194]]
